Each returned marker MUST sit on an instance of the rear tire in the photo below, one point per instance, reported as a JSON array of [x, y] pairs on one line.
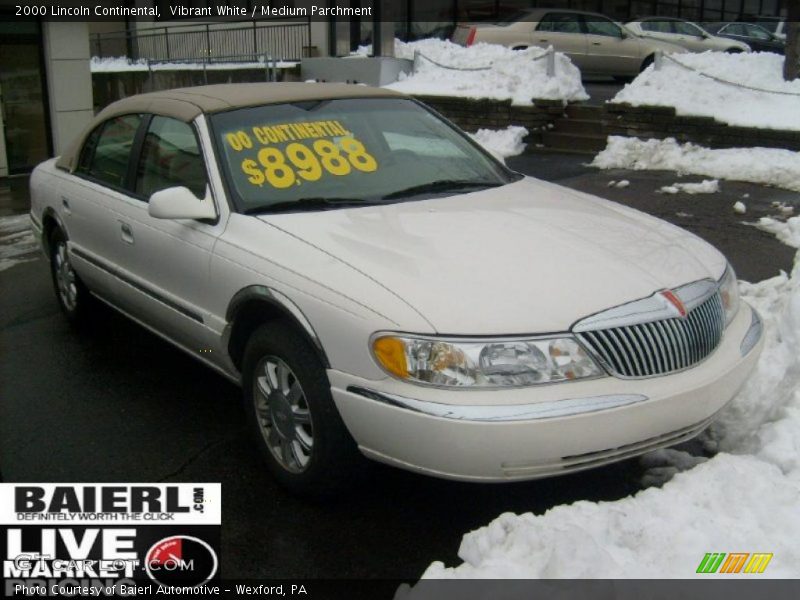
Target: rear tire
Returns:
[[72, 295], [292, 416]]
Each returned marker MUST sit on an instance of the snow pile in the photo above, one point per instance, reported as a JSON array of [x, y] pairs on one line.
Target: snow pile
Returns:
[[770, 166], [707, 186], [17, 244], [739, 207], [745, 499], [502, 142], [726, 103], [504, 74], [786, 231], [120, 64]]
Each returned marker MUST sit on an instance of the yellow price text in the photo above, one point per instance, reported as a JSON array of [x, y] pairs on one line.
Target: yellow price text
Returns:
[[296, 162]]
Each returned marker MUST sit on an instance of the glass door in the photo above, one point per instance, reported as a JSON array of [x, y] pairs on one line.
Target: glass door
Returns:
[[23, 99]]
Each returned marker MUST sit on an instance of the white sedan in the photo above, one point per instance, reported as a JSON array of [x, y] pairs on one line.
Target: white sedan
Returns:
[[685, 34], [379, 285]]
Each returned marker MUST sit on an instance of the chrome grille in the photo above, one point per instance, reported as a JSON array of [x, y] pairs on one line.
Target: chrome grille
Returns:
[[659, 347]]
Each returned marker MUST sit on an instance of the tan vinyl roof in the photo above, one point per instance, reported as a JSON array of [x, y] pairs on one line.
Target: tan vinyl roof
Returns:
[[186, 104]]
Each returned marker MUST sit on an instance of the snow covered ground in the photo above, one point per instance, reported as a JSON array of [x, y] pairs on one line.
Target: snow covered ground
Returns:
[[707, 186], [504, 74], [502, 142], [727, 103], [120, 64], [17, 244], [744, 499], [769, 166]]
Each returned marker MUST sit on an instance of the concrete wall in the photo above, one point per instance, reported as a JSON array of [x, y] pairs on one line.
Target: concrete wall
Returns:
[[472, 115], [69, 79], [661, 122]]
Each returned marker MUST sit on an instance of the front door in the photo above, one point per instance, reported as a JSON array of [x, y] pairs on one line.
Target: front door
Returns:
[[610, 50]]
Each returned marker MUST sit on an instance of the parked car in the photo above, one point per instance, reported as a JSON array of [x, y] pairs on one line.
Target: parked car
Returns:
[[379, 284], [755, 36], [775, 25], [596, 44], [686, 34]]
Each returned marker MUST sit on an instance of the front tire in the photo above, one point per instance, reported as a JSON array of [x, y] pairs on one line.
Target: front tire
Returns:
[[72, 295], [292, 416]]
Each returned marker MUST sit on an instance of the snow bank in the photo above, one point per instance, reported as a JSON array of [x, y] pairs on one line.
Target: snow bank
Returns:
[[17, 243], [121, 64], [513, 75], [707, 186], [745, 499], [770, 166], [786, 231], [726, 103], [502, 142]]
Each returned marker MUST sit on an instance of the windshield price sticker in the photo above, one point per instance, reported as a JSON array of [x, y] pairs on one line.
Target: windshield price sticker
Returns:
[[291, 153]]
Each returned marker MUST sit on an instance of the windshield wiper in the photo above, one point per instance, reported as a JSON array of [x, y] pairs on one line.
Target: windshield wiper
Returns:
[[308, 205], [442, 186]]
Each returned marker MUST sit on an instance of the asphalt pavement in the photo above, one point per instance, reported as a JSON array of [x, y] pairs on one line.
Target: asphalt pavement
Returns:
[[114, 403]]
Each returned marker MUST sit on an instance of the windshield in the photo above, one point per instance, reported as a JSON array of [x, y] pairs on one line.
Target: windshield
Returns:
[[336, 153]]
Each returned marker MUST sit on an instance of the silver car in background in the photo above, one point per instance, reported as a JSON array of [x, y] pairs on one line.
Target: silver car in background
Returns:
[[596, 44], [686, 34]]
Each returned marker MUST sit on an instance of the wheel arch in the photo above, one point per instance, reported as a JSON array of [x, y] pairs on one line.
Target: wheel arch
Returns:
[[255, 305], [649, 59], [50, 222]]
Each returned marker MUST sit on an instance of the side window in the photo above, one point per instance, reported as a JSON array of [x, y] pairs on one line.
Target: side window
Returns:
[[656, 26], [687, 29], [756, 32], [87, 152], [597, 26], [170, 157], [107, 151], [734, 29], [559, 23]]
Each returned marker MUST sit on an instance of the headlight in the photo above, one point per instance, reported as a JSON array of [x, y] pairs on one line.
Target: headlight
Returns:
[[487, 364], [729, 292]]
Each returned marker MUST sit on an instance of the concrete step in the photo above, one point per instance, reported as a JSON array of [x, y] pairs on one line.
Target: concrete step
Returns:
[[573, 142], [584, 111], [578, 126]]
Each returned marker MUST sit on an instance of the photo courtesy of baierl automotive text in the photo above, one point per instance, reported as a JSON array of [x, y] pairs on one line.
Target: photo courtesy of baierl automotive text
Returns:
[[399, 299]]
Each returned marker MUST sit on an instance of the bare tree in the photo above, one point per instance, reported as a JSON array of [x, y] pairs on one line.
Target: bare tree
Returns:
[[791, 65]]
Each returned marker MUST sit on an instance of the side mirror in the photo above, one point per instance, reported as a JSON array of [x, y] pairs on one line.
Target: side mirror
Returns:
[[180, 203]]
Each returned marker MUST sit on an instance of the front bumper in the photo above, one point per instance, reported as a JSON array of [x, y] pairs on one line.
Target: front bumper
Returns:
[[517, 434]]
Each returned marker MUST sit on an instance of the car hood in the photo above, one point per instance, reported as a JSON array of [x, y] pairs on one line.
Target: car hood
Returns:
[[528, 257]]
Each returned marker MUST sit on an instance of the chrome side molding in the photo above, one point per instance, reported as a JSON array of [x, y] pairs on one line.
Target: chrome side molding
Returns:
[[503, 412]]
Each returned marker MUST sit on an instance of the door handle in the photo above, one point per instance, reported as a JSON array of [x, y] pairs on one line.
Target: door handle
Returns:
[[127, 233], [65, 204], [596, 44]]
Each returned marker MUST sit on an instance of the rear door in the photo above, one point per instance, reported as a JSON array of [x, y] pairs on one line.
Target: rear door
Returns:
[[658, 29], [609, 50], [692, 37], [89, 206], [563, 32]]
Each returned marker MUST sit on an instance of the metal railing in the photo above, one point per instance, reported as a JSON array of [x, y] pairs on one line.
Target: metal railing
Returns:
[[283, 39]]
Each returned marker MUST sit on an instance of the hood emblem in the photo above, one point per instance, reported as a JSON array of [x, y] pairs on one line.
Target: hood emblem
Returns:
[[676, 302]]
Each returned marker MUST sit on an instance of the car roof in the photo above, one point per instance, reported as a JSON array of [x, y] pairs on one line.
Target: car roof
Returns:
[[657, 18], [185, 104], [539, 12]]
